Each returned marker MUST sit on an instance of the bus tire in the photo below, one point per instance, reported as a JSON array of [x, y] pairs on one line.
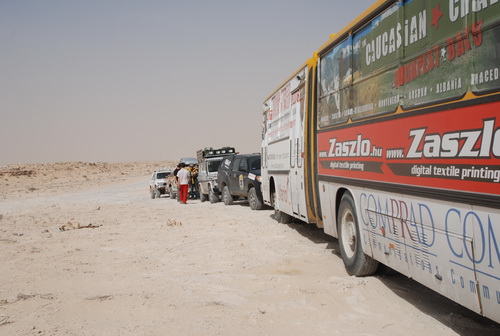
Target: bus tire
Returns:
[[226, 196], [356, 262], [280, 216], [253, 200]]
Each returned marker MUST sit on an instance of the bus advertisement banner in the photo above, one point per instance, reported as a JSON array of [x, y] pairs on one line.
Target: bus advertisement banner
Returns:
[[415, 53], [454, 149]]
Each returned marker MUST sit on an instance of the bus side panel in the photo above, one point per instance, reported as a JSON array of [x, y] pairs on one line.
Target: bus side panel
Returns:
[[450, 248], [379, 217], [288, 181], [283, 147], [485, 225], [277, 171], [327, 193], [425, 240], [436, 237], [283, 193]]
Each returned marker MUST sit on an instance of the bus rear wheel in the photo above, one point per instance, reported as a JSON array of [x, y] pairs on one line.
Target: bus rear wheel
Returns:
[[356, 262], [279, 216]]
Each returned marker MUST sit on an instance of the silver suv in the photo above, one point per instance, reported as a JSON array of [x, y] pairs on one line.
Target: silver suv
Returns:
[[158, 182]]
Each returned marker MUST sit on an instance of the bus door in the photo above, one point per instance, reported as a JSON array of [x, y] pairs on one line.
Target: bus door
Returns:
[[297, 151]]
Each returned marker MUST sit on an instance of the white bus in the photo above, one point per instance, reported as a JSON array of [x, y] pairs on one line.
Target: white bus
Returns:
[[388, 138]]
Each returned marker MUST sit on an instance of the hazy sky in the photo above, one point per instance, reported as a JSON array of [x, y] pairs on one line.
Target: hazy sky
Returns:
[[122, 80]]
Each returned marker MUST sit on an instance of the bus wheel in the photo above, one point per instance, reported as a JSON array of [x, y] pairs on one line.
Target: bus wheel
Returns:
[[356, 262], [279, 216]]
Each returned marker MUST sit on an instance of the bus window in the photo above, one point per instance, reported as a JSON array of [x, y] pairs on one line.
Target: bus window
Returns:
[[335, 77], [375, 56]]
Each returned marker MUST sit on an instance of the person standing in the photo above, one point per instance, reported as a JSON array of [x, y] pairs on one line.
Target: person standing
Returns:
[[193, 181], [183, 177], [176, 170]]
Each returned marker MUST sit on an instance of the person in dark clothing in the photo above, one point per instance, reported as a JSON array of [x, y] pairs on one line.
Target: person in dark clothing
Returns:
[[193, 182], [176, 170]]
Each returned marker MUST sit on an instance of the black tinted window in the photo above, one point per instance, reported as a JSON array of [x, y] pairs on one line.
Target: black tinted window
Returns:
[[213, 166], [243, 165], [254, 163], [236, 164]]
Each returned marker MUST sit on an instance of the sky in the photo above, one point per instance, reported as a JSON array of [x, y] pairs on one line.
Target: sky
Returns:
[[123, 80]]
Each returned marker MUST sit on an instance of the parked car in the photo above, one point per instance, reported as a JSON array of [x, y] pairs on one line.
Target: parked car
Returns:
[[189, 161], [239, 176], [210, 160], [158, 182]]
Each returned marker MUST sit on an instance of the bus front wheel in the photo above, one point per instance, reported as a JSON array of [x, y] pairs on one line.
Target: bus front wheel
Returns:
[[356, 262]]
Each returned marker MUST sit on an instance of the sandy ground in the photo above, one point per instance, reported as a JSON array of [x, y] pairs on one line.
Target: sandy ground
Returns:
[[86, 251]]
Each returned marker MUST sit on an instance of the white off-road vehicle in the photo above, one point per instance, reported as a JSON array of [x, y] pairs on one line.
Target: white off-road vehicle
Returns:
[[158, 182], [209, 161]]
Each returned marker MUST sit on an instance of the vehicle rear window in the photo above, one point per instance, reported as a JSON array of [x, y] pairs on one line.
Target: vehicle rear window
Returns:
[[213, 166]]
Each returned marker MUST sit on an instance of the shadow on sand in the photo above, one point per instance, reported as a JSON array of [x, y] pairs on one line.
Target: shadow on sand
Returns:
[[456, 317]]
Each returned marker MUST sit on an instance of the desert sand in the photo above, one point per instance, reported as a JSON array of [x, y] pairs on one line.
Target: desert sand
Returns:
[[86, 251]]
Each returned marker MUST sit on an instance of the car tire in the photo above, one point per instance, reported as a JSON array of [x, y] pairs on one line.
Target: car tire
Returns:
[[253, 200], [157, 193], [153, 194], [212, 197], [356, 262], [171, 193], [203, 197], [226, 196]]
